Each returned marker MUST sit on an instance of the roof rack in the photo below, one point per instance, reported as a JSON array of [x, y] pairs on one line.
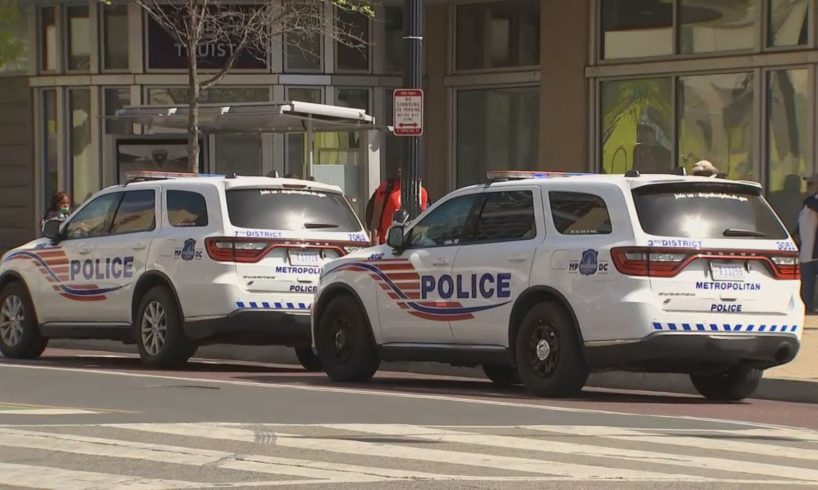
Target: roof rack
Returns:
[[506, 175], [150, 175]]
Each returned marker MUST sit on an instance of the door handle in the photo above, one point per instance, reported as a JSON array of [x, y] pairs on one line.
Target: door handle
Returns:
[[518, 258], [140, 245], [440, 261], [84, 251]]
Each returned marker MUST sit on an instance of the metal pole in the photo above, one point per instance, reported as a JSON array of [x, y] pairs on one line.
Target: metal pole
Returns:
[[310, 151], [412, 171]]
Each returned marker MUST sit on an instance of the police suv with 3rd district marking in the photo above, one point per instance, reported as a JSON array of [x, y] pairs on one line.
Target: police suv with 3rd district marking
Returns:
[[173, 261], [541, 280]]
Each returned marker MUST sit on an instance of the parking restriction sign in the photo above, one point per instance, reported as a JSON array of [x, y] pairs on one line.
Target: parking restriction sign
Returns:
[[408, 107]]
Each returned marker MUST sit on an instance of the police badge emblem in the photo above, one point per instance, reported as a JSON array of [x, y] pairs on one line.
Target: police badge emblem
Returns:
[[589, 263]]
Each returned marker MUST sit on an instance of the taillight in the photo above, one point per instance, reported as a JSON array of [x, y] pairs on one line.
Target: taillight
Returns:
[[649, 263], [226, 249], [786, 267]]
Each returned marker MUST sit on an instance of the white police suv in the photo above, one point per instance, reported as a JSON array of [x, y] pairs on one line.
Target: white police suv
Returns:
[[173, 261], [541, 280]]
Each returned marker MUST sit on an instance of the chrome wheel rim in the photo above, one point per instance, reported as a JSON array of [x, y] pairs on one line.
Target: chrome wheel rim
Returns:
[[12, 318], [154, 328], [544, 348]]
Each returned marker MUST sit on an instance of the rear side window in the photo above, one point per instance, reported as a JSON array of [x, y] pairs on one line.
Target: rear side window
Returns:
[[136, 213], [290, 209], [506, 216], [186, 209], [578, 213], [704, 210]]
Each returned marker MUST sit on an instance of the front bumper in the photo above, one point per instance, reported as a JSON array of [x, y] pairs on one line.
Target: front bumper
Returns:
[[680, 352], [252, 327]]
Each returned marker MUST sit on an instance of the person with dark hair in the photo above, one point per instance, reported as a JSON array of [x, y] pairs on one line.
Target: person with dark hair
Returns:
[[59, 208]]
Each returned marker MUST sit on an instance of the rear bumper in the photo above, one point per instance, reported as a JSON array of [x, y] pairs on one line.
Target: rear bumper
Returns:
[[693, 352], [252, 327]]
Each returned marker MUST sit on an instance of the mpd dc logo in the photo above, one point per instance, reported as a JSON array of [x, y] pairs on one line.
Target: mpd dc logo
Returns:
[[188, 251], [589, 264]]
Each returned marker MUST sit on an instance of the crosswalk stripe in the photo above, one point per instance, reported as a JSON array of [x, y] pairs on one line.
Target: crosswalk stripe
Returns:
[[361, 448], [552, 446], [721, 444], [93, 446], [23, 475], [48, 411]]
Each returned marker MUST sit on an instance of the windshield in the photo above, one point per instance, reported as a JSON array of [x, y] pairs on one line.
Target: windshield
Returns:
[[706, 210], [288, 209]]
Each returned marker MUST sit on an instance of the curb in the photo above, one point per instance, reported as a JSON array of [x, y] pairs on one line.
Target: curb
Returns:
[[779, 389]]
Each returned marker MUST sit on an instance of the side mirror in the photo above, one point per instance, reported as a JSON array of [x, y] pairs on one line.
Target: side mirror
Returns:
[[51, 229], [400, 216], [394, 237]]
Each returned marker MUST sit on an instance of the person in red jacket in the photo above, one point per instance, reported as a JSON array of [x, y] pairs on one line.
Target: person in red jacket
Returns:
[[384, 202]]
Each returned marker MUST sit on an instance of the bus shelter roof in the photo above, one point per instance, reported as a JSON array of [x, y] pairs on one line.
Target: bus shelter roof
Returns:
[[284, 117]]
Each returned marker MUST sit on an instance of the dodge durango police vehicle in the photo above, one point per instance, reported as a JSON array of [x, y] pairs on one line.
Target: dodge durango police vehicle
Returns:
[[173, 261], [541, 280]]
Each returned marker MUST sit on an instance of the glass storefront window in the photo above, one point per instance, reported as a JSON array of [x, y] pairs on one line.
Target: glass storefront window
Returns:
[[787, 22], [498, 34], [353, 55], [637, 125], [116, 98], [79, 39], [636, 28], [48, 39], [13, 38], [787, 132], [717, 25], [394, 39], [50, 131], [715, 123], [238, 153], [297, 142], [84, 169], [302, 53], [115, 37], [497, 129], [178, 95]]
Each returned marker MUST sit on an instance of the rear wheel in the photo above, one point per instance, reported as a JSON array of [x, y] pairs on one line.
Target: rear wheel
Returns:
[[548, 353], [732, 385], [19, 333], [308, 358], [502, 375], [159, 334], [345, 344]]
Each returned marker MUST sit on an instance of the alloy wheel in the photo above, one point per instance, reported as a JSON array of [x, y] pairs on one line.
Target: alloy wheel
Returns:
[[12, 317], [154, 328]]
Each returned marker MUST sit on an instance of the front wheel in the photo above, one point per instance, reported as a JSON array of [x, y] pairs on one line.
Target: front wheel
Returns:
[[345, 345], [548, 353], [732, 385], [308, 359], [19, 333], [158, 330]]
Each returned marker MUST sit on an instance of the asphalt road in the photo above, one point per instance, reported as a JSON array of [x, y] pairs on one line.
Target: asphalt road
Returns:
[[82, 420]]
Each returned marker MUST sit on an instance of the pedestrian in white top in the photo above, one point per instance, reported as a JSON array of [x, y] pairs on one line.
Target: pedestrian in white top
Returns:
[[808, 242]]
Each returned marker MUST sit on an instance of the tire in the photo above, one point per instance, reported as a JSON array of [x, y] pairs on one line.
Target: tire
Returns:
[[501, 375], [308, 358], [19, 332], [345, 344], [734, 384], [158, 331], [548, 353]]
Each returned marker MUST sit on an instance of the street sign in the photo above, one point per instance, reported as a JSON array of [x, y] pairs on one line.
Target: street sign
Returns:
[[408, 109]]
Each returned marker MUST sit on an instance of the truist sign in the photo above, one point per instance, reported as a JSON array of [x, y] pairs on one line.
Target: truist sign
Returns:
[[166, 53]]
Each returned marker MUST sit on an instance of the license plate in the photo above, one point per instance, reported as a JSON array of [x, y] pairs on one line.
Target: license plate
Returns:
[[727, 271], [305, 257]]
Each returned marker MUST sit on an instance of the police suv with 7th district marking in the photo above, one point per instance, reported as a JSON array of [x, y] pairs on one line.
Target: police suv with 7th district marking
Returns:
[[541, 280], [174, 261]]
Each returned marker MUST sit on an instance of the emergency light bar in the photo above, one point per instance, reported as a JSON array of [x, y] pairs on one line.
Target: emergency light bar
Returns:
[[493, 175], [154, 175]]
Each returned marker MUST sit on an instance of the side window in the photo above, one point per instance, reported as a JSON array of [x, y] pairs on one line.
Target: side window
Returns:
[[506, 216], [94, 219], [186, 209], [577, 213], [137, 212], [446, 225]]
